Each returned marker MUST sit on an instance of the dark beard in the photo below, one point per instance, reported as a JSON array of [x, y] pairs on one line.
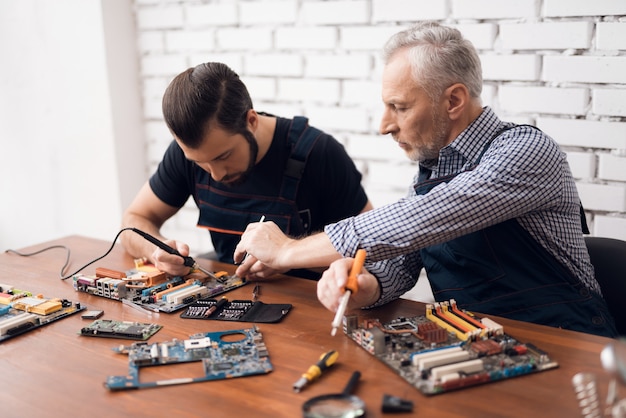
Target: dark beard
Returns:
[[254, 152]]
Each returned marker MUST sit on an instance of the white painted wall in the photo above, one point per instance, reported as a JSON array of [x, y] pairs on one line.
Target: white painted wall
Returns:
[[71, 146]]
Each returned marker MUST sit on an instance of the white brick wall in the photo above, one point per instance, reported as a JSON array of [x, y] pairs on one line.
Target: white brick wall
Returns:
[[531, 99], [552, 35], [567, 8], [408, 10], [560, 64], [493, 9], [585, 69], [609, 101]]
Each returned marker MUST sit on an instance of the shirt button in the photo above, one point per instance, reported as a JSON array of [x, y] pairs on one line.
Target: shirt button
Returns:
[[584, 292], [597, 320]]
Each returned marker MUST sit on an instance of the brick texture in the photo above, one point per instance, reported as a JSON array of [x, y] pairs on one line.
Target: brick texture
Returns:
[[559, 64]]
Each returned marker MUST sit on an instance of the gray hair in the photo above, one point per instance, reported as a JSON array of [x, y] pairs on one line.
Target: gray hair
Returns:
[[439, 57]]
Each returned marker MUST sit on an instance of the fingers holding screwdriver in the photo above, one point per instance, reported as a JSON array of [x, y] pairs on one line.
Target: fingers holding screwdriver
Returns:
[[350, 287]]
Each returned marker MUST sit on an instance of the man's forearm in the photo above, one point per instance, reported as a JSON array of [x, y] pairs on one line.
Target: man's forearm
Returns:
[[313, 251]]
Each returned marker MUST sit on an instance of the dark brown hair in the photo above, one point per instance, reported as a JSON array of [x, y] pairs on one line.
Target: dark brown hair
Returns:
[[210, 93]]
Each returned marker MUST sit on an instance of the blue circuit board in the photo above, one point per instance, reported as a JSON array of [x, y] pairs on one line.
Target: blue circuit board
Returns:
[[23, 310], [224, 354]]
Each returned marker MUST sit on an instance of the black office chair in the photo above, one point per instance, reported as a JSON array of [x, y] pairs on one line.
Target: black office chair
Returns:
[[608, 257]]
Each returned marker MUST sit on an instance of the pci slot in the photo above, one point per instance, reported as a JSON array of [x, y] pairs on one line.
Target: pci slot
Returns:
[[415, 358], [192, 291], [467, 367], [446, 358], [161, 295]]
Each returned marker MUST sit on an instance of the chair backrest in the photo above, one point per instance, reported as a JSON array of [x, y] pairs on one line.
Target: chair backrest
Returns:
[[608, 257]]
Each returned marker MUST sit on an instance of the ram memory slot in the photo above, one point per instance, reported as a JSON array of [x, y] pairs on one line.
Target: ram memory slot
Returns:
[[431, 315], [444, 312]]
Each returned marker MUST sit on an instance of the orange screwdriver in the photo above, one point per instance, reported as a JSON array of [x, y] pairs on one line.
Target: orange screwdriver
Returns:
[[350, 287]]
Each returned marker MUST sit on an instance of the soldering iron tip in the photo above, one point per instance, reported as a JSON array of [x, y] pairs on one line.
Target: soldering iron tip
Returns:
[[333, 332]]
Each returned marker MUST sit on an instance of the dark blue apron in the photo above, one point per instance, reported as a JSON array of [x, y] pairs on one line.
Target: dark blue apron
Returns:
[[501, 270], [227, 213]]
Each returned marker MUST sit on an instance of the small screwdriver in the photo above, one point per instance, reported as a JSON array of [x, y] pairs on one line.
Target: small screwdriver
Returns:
[[189, 262], [326, 360], [350, 287]]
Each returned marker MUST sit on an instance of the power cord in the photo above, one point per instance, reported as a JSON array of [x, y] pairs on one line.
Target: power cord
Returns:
[[67, 259]]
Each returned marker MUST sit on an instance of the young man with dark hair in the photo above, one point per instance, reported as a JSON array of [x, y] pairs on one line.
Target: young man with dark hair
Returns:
[[239, 165]]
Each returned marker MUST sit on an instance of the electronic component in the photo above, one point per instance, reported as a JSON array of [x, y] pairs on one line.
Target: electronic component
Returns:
[[149, 288], [95, 314], [225, 354], [108, 328], [395, 404], [447, 349], [22, 311]]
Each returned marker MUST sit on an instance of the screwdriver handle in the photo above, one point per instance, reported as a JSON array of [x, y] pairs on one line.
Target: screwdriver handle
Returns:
[[357, 266], [327, 359]]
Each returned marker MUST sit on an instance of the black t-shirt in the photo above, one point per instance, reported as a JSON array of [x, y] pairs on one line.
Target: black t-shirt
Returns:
[[330, 188]]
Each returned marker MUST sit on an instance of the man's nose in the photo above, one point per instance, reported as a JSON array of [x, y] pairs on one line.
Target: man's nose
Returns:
[[216, 172], [387, 123]]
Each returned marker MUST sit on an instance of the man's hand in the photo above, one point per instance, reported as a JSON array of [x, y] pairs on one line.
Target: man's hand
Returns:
[[330, 287], [264, 243], [169, 263]]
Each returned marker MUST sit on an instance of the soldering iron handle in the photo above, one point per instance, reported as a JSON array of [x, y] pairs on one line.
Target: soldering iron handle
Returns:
[[357, 266], [189, 262]]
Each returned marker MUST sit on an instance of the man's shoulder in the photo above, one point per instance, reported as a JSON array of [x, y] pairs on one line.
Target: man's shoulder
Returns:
[[525, 142]]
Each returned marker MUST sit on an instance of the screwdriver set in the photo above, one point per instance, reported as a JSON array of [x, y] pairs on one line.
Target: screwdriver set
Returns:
[[236, 310]]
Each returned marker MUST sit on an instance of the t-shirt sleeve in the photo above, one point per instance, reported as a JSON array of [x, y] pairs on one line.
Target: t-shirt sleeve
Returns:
[[337, 180], [173, 181]]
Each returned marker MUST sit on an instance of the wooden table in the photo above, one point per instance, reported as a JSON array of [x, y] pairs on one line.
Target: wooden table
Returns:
[[53, 371]]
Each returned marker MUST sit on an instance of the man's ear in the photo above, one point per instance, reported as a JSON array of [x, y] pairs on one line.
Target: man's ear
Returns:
[[253, 120], [458, 98]]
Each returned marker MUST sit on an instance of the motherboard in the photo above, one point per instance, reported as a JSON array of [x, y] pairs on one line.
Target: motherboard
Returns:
[[224, 354], [23, 310], [151, 289], [447, 349]]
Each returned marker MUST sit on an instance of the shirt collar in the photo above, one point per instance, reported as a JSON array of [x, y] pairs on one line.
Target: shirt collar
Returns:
[[472, 140]]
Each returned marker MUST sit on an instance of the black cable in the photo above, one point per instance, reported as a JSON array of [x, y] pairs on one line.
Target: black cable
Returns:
[[67, 258], [68, 255]]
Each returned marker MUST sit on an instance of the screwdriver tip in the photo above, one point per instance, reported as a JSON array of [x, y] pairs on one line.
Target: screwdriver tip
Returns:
[[297, 387]]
